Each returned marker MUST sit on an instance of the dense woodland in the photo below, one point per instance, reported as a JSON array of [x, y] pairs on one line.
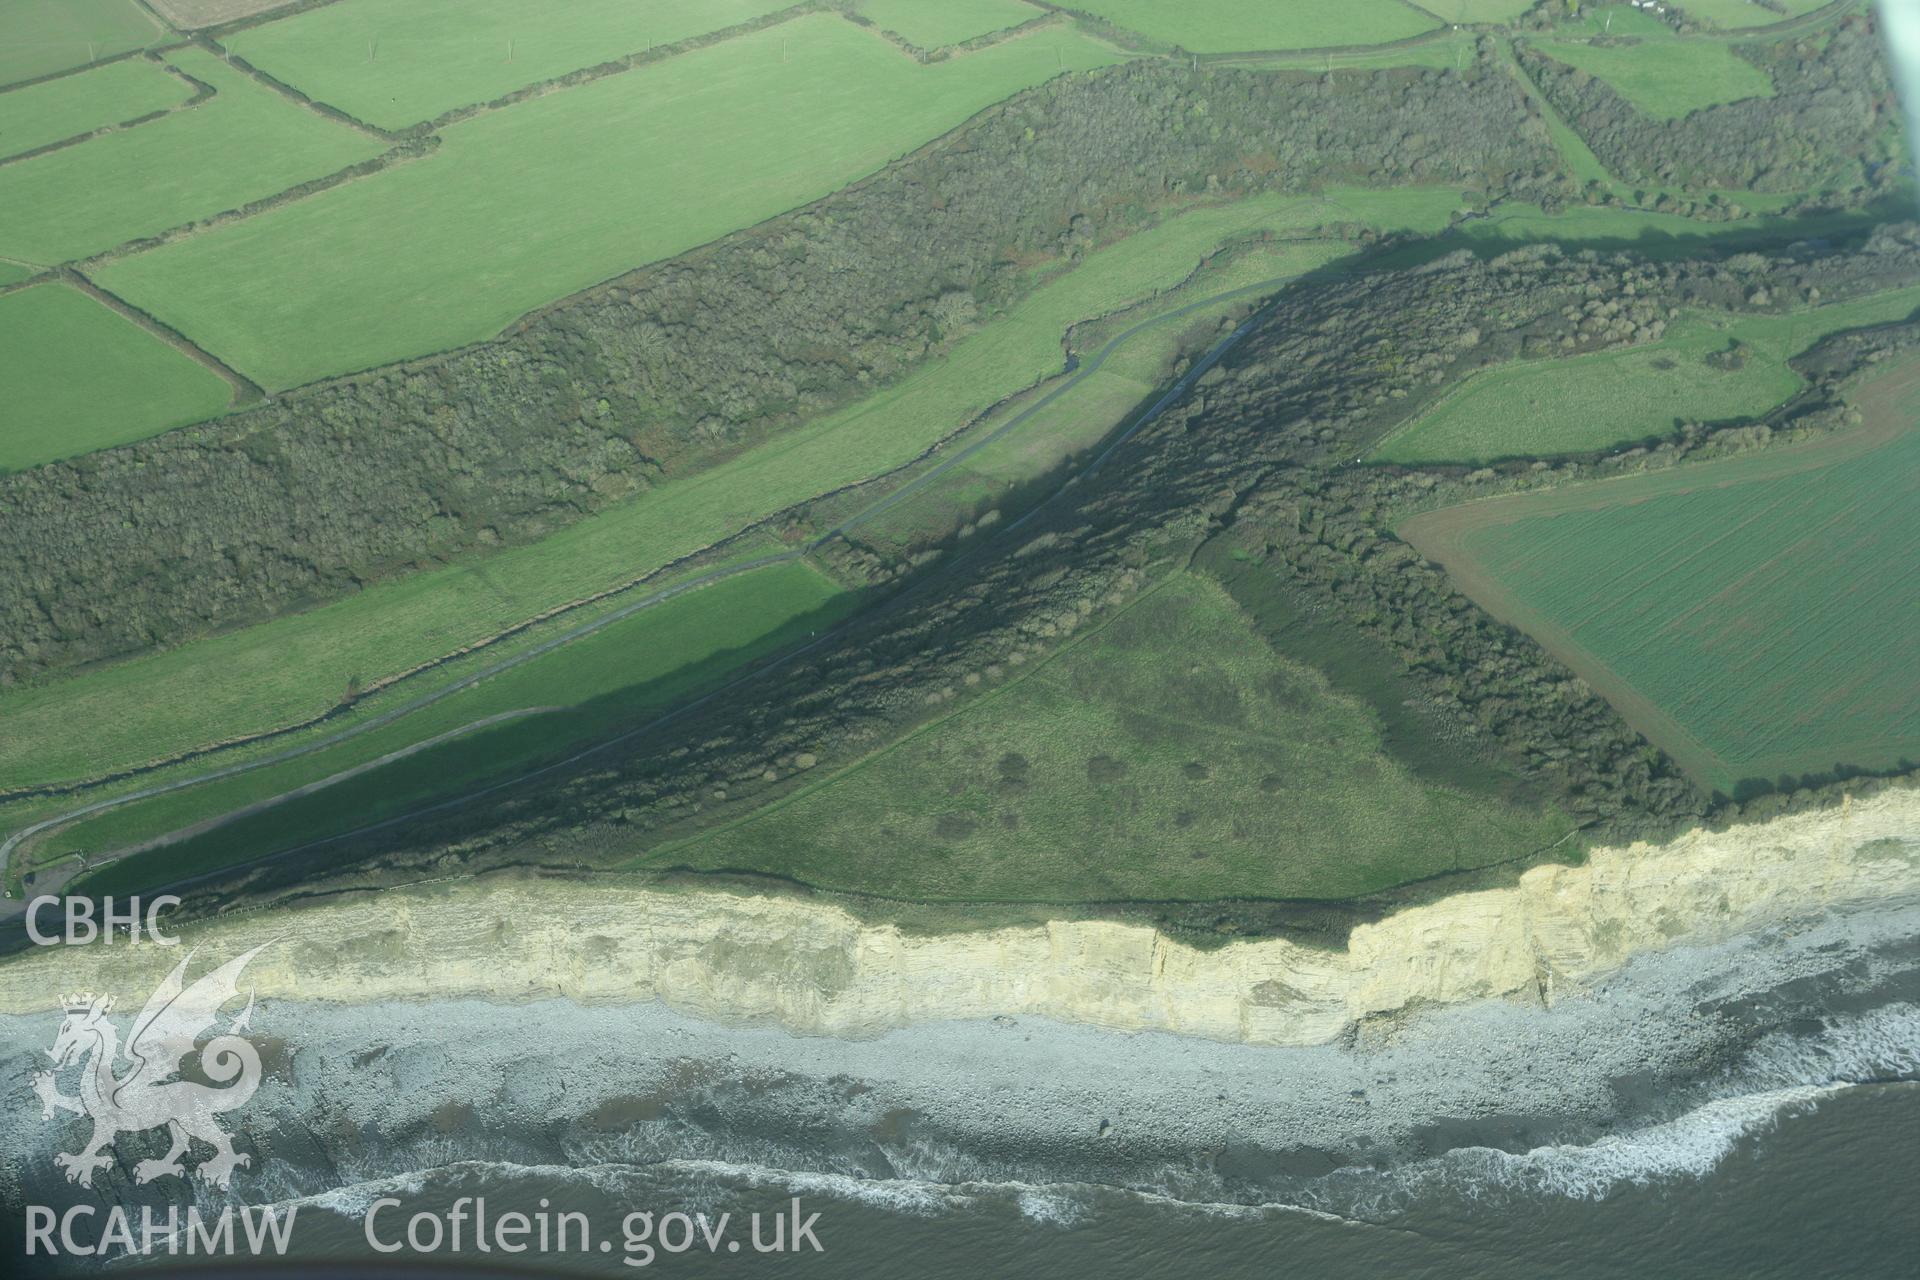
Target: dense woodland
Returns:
[[334, 486], [1830, 121], [1251, 477]]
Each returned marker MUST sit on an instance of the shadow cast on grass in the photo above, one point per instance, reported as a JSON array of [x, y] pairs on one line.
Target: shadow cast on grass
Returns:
[[447, 770]]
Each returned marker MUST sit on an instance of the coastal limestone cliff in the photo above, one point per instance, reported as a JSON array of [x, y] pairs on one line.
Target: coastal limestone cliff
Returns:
[[815, 969]]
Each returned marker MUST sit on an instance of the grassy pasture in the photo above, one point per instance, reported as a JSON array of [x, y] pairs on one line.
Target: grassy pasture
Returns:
[[623, 675], [394, 63], [1170, 754], [13, 272], [935, 26], [521, 206], [1471, 11], [1615, 20], [1666, 76], [1591, 402], [1754, 617], [56, 109], [1448, 50], [1735, 14], [80, 377], [243, 144], [40, 37], [295, 667], [1579, 158], [1226, 26]]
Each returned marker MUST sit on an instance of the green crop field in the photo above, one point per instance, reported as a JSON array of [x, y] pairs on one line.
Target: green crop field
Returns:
[[56, 109], [394, 63], [40, 37], [1226, 26], [1615, 20], [1469, 11], [934, 26], [1170, 754], [80, 377], [620, 676], [1446, 49], [1609, 398], [245, 143], [295, 666], [1751, 616], [1667, 77], [1734, 14], [520, 206]]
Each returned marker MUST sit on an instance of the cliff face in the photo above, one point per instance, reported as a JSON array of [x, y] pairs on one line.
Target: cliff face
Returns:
[[815, 969]]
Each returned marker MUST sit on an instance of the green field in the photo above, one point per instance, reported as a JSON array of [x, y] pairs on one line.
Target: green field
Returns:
[[1665, 76], [520, 206], [394, 63], [1614, 20], [13, 272], [1226, 26], [935, 26], [245, 143], [1593, 402], [1469, 11], [40, 37], [1170, 754], [57, 109], [80, 377], [620, 676], [1755, 617], [1449, 49], [1734, 14], [294, 667]]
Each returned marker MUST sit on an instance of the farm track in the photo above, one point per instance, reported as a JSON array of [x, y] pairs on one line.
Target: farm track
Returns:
[[1075, 376], [1886, 404]]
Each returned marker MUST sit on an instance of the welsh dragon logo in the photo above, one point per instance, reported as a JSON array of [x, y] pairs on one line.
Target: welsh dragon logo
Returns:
[[151, 1093]]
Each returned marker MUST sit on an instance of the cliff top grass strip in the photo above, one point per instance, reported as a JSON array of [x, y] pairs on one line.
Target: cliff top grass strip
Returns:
[[54, 110], [818, 968], [632, 670], [395, 63], [521, 206], [80, 377], [243, 144], [43, 37]]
